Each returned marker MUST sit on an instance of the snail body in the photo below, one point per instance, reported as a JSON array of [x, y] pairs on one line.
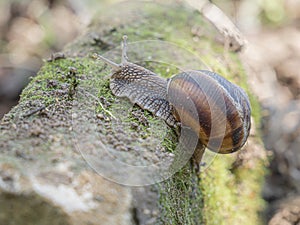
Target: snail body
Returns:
[[214, 108], [144, 88]]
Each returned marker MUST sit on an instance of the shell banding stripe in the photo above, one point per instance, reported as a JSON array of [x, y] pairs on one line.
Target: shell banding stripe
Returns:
[[149, 94], [211, 106]]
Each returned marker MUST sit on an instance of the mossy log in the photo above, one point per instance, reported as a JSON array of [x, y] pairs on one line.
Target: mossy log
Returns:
[[67, 109]]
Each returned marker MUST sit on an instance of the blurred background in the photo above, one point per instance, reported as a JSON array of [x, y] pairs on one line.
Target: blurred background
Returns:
[[30, 30]]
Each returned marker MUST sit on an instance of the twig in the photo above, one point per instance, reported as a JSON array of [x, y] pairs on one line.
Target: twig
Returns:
[[34, 111], [101, 105], [232, 35]]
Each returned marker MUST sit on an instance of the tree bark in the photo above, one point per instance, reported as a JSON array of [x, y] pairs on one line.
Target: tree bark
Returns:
[[51, 169]]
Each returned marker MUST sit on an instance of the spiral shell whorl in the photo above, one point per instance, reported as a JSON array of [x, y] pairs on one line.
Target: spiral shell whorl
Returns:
[[216, 109]]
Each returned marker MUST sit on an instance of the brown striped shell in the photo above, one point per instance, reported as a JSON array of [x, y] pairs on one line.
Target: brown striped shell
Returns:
[[217, 110]]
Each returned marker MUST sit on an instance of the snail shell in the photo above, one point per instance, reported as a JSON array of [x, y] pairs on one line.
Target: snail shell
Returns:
[[214, 108]]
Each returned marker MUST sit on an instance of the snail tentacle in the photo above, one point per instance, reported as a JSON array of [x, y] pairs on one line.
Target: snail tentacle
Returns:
[[115, 66], [124, 59]]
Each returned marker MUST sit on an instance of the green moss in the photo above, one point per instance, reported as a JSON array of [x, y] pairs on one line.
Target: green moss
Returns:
[[181, 200], [57, 80], [104, 89], [217, 193], [170, 141], [232, 196]]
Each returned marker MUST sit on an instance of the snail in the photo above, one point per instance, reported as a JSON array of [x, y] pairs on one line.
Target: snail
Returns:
[[217, 110]]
